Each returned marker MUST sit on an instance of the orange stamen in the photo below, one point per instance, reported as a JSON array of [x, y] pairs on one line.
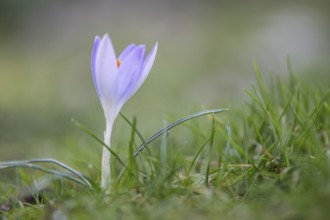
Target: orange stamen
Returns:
[[118, 63]]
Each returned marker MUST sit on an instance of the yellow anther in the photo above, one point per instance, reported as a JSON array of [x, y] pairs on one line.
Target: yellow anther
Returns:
[[118, 63]]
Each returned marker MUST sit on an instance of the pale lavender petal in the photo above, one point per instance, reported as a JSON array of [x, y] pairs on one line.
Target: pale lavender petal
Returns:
[[129, 70], [133, 60], [106, 68], [151, 58], [97, 42], [126, 51], [144, 71]]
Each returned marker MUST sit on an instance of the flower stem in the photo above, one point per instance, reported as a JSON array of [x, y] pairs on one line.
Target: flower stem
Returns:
[[105, 169]]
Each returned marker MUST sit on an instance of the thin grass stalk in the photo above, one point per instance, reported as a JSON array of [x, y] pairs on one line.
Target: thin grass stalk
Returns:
[[174, 124]]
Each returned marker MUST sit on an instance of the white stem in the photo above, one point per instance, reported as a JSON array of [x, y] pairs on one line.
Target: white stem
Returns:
[[105, 169]]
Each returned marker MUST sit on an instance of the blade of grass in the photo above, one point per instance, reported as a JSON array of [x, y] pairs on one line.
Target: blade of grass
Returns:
[[48, 160], [196, 155], [264, 108], [142, 140], [23, 164], [207, 174], [170, 126]]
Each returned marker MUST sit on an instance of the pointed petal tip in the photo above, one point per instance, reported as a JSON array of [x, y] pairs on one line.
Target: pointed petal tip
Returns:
[[106, 37], [155, 48], [106, 40], [156, 44], [97, 41]]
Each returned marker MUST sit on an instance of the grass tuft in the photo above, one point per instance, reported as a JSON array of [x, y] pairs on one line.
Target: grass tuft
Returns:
[[266, 160]]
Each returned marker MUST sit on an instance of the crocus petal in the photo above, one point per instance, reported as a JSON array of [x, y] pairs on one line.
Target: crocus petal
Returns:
[[145, 69], [97, 42], [106, 68], [149, 61], [126, 51], [129, 71]]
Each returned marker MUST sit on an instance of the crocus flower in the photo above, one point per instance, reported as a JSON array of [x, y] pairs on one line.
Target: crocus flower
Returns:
[[116, 80]]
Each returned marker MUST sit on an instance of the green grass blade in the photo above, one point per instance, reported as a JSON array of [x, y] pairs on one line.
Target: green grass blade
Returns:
[[170, 126], [196, 155], [207, 174], [142, 140], [26, 164]]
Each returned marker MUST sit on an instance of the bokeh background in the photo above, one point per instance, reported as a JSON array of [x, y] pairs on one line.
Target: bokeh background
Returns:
[[204, 61]]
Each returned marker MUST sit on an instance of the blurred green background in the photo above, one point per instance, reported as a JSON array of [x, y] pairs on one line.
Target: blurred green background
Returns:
[[204, 61]]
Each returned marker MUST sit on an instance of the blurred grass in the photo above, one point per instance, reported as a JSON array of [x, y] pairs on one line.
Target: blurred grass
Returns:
[[265, 159]]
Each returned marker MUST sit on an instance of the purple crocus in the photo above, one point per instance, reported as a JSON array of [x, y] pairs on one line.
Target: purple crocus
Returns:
[[116, 80]]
